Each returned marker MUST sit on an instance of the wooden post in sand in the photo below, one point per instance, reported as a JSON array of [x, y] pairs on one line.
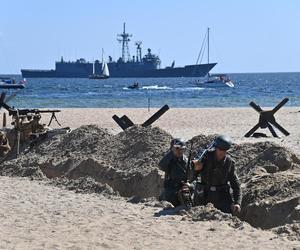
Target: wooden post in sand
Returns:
[[4, 120], [18, 133]]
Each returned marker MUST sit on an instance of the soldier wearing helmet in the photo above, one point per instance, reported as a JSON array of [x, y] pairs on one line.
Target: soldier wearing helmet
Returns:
[[218, 174], [174, 164]]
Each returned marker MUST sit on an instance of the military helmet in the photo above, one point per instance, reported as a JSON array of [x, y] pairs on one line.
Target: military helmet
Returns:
[[178, 142], [223, 142]]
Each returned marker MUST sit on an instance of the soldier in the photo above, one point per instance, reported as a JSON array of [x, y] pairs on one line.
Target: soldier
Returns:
[[217, 172], [174, 164], [4, 144]]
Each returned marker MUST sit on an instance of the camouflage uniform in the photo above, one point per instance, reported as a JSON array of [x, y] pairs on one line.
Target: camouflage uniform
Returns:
[[175, 175], [215, 179]]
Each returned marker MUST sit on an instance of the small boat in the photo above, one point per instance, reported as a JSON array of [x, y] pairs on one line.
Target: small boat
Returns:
[[105, 71], [219, 79], [216, 80], [11, 87], [134, 86], [10, 83]]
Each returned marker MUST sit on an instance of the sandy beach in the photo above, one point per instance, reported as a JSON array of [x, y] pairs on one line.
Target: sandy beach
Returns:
[[189, 122], [37, 215], [147, 125]]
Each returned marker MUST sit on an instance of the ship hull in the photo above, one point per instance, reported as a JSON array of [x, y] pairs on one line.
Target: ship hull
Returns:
[[119, 72]]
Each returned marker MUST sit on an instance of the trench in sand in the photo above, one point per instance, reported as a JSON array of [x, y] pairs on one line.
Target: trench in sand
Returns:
[[127, 162]]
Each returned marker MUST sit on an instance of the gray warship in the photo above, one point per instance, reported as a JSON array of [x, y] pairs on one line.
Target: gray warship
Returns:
[[126, 66]]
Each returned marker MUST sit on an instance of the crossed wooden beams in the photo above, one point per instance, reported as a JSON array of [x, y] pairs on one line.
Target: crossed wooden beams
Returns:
[[267, 119], [124, 122]]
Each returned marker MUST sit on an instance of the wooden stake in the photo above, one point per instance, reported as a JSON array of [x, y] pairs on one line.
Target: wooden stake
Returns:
[[4, 120]]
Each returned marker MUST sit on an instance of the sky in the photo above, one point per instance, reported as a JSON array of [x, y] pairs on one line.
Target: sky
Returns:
[[246, 36]]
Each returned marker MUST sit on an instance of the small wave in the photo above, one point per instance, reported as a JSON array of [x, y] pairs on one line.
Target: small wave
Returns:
[[126, 88], [156, 87], [89, 93]]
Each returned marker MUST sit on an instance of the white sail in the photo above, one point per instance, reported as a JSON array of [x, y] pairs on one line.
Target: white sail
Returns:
[[105, 71]]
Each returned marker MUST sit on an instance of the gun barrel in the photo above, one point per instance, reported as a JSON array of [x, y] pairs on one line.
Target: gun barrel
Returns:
[[211, 145], [32, 111], [49, 111], [189, 170]]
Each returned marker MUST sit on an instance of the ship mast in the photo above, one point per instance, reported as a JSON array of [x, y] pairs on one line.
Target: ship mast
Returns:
[[124, 39], [138, 51], [208, 52]]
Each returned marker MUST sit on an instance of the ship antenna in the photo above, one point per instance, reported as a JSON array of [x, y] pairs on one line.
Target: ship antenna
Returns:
[[124, 39], [138, 51]]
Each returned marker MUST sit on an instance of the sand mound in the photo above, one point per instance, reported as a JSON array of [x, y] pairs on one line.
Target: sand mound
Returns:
[[26, 167], [290, 231], [126, 161], [267, 155], [210, 213], [85, 185], [271, 179]]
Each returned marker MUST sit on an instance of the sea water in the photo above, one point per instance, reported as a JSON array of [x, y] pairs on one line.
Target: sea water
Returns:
[[266, 89]]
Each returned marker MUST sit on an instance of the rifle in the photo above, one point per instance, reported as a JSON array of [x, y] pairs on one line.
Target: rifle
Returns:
[[184, 195], [199, 156], [189, 165]]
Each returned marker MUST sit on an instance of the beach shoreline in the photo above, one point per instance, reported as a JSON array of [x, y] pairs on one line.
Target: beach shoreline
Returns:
[[189, 122]]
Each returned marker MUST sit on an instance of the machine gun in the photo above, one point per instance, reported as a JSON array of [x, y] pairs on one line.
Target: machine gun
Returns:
[[28, 113], [27, 124]]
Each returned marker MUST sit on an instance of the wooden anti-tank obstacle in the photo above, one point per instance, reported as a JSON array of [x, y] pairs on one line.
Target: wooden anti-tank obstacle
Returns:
[[267, 119], [124, 122]]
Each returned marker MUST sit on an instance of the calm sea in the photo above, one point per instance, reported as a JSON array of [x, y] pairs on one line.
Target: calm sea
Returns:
[[266, 89]]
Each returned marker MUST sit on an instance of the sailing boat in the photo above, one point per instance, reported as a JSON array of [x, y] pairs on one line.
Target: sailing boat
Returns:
[[105, 71], [215, 80]]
